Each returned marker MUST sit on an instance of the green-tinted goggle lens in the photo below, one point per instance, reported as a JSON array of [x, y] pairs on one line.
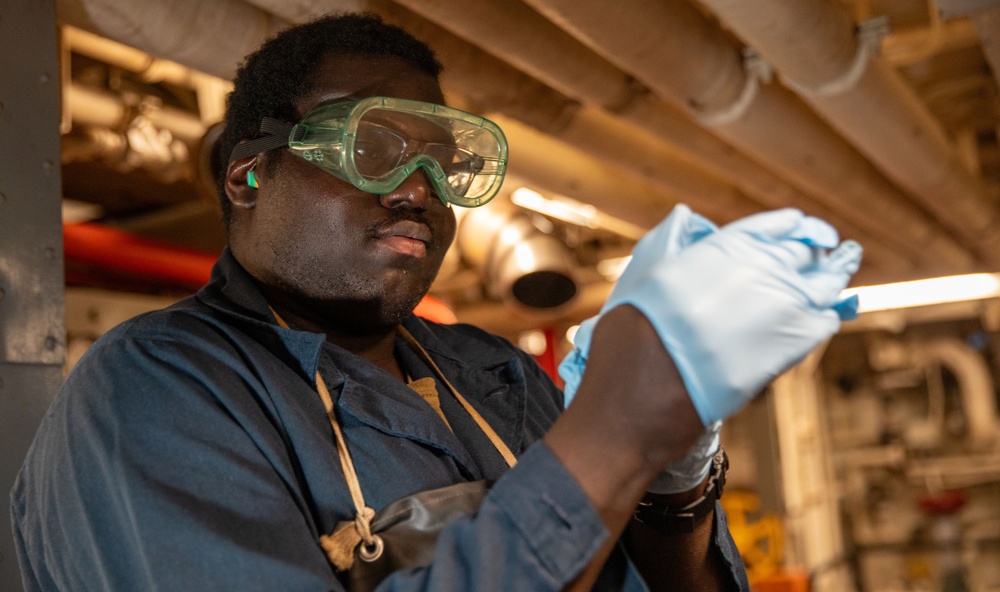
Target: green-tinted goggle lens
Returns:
[[376, 143]]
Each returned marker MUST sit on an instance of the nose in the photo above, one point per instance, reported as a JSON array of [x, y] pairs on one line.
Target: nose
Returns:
[[415, 193]]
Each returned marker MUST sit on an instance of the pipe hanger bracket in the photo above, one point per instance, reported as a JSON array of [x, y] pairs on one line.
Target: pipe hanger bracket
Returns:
[[869, 34]]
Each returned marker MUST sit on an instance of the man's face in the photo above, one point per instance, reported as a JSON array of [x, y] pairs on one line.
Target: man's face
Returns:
[[327, 248]]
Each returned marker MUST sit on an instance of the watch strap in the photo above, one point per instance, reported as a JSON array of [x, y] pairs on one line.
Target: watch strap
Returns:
[[685, 519]]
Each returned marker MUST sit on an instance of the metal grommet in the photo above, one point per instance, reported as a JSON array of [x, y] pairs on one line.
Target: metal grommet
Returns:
[[371, 553]]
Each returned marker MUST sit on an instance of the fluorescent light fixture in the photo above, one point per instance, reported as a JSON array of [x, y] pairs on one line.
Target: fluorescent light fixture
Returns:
[[575, 212], [956, 288]]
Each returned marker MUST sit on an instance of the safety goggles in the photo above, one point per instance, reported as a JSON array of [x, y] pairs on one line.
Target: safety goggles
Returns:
[[377, 142]]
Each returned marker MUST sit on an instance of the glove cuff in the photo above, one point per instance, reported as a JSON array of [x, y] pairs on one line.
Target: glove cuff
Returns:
[[689, 471]]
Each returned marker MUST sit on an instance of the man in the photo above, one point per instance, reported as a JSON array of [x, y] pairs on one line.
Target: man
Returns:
[[190, 448]]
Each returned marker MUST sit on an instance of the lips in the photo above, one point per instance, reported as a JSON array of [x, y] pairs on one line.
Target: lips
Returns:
[[407, 229], [406, 237]]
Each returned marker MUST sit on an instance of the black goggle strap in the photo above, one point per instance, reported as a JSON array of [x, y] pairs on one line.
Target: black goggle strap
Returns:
[[274, 134]]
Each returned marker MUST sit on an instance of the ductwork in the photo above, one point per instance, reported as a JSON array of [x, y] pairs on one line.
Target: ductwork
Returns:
[[644, 38], [519, 263], [813, 44]]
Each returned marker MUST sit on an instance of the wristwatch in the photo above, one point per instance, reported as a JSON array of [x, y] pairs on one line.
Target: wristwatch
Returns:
[[670, 521]]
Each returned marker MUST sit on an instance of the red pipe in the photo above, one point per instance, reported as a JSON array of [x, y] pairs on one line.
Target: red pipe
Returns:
[[108, 248]]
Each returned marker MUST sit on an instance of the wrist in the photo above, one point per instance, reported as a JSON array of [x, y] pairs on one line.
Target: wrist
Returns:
[[691, 470], [682, 512]]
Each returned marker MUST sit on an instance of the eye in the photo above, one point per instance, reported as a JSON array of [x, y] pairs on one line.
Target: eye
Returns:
[[377, 150]]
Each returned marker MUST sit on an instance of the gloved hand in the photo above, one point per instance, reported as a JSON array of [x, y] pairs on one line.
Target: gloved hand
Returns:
[[775, 262], [742, 305], [660, 245]]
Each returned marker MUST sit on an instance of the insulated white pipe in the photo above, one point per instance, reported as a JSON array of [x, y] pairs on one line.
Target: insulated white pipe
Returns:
[[212, 37], [902, 48], [812, 43], [490, 86], [299, 11], [974, 381], [100, 108], [645, 38], [520, 36]]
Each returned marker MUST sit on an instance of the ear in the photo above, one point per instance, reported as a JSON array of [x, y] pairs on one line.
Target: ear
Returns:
[[239, 193]]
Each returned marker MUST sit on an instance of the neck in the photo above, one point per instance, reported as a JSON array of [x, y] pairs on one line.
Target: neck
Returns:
[[377, 347]]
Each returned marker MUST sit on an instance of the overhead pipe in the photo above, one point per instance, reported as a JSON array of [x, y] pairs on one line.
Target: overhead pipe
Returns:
[[101, 108], [532, 105], [212, 37], [513, 93], [149, 68], [645, 38], [522, 96], [519, 263], [490, 85], [560, 168], [300, 11], [974, 381], [813, 45], [520, 36], [211, 90], [903, 48]]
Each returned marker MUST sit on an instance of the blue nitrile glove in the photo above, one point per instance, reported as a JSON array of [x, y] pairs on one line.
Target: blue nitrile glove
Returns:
[[786, 251], [672, 235], [744, 304]]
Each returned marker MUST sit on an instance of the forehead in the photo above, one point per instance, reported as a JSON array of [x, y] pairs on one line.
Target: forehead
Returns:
[[354, 76]]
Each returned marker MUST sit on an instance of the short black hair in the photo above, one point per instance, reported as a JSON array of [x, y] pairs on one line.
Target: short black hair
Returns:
[[272, 79]]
